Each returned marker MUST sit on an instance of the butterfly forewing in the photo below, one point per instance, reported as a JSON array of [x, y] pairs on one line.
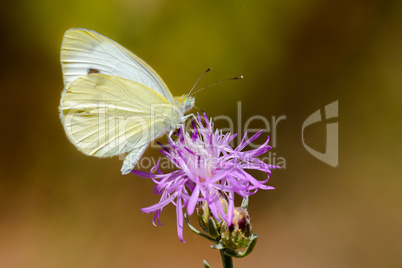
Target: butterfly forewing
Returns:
[[86, 52]]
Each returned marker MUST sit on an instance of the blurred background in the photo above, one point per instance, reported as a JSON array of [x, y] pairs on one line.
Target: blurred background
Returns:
[[60, 208]]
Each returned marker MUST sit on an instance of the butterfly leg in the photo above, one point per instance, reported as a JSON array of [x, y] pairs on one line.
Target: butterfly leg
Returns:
[[180, 125], [170, 135], [172, 130], [184, 118]]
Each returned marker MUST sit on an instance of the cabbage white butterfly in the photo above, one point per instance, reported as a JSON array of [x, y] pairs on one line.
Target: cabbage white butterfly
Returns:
[[113, 102]]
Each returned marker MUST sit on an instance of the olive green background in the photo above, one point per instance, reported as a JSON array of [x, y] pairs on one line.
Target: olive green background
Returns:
[[60, 208]]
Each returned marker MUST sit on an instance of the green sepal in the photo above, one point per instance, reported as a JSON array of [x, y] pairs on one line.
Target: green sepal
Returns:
[[244, 203], [213, 229], [218, 246], [246, 252], [195, 230], [206, 265]]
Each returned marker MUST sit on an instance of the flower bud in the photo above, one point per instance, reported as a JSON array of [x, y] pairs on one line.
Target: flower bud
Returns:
[[205, 218], [207, 221], [238, 234]]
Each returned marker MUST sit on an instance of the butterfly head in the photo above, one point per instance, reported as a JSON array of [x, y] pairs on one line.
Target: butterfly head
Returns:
[[190, 101], [185, 103]]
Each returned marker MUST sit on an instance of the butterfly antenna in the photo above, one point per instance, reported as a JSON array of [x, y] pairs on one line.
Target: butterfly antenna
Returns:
[[209, 69], [213, 84]]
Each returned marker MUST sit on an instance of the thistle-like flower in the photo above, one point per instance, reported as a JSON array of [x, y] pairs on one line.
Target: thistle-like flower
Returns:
[[207, 169]]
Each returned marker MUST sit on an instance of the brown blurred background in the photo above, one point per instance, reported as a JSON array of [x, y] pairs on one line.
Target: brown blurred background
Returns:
[[60, 208]]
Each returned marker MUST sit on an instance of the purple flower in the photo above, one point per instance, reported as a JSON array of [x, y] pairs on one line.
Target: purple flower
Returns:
[[207, 166]]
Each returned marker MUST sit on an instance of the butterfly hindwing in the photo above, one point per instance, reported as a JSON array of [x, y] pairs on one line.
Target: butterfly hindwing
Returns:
[[108, 115]]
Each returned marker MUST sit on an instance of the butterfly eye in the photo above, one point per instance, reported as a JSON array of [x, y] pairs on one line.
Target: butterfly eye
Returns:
[[93, 71]]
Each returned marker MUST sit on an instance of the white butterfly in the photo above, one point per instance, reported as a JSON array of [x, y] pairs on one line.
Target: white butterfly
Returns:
[[113, 102]]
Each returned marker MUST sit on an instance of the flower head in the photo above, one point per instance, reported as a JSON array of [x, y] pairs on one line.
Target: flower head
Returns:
[[208, 168]]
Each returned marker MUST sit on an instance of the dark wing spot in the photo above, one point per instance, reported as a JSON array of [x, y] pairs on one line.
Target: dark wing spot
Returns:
[[83, 112], [93, 71]]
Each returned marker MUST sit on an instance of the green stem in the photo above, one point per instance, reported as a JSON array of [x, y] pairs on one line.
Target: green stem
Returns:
[[227, 261]]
